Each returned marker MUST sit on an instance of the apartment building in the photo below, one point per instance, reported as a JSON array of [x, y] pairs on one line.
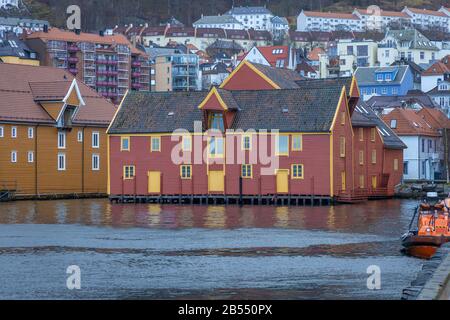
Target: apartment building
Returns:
[[20, 25], [351, 54], [257, 18], [177, 72], [219, 22], [380, 20], [428, 19], [328, 21], [109, 64]]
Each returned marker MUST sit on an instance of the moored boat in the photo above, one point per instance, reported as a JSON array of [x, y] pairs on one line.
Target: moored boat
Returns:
[[431, 230]]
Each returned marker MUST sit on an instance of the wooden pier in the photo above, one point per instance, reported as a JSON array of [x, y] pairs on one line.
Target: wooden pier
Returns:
[[283, 200]]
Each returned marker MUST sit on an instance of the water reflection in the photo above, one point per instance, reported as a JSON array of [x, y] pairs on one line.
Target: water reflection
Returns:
[[385, 217]]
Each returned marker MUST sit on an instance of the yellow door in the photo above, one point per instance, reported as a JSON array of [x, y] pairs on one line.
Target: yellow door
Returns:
[[154, 182], [343, 181], [374, 182], [282, 181], [216, 181]]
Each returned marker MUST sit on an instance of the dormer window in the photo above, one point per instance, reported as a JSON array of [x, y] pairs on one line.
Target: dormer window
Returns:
[[216, 121], [66, 119], [379, 77], [388, 77]]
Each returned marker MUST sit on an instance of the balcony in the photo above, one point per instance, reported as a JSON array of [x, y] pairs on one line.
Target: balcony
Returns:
[[110, 84], [136, 85], [73, 71], [136, 63], [136, 74], [73, 60], [73, 48], [107, 62]]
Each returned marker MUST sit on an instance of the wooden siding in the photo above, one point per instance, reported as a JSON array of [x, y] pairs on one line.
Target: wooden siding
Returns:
[[316, 179], [240, 80], [42, 176], [342, 129]]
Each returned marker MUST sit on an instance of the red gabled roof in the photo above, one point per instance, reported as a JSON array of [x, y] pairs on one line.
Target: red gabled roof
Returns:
[[410, 123], [436, 68], [385, 13], [427, 12], [275, 53], [314, 54], [331, 15]]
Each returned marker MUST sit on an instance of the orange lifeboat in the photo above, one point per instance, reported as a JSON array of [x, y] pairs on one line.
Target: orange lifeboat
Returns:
[[432, 228]]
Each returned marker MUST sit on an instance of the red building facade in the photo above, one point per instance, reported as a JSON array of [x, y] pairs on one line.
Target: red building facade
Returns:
[[264, 133]]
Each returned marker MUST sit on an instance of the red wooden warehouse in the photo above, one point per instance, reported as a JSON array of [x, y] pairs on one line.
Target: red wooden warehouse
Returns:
[[271, 138]]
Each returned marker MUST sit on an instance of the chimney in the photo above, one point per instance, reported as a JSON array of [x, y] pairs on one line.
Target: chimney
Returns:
[[101, 33], [78, 31], [45, 28]]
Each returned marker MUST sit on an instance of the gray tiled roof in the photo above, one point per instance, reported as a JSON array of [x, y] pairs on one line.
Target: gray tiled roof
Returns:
[[364, 116], [298, 110], [224, 19], [366, 75], [21, 21], [284, 78], [249, 10], [18, 49], [417, 40]]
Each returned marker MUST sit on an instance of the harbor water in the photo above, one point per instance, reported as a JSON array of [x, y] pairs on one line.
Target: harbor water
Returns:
[[148, 251]]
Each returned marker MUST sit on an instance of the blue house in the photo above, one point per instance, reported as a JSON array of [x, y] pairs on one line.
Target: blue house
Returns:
[[384, 81]]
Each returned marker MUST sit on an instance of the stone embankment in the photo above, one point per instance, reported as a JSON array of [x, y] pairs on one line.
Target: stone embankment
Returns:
[[433, 281]]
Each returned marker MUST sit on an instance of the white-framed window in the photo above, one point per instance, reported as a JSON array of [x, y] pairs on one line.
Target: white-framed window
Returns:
[[95, 140], [80, 136], [95, 162], [13, 132], [30, 156], [30, 133], [2, 132], [61, 140], [61, 161], [13, 156]]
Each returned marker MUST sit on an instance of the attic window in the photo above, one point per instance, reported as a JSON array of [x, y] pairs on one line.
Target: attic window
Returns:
[[170, 114], [285, 110], [394, 124], [415, 124]]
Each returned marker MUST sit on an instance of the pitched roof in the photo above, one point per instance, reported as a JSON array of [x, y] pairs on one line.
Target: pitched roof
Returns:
[[275, 53], [50, 90], [410, 123], [426, 12], [248, 10], [330, 15], [70, 36], [366, 75], [22, 87], [435, 117], [388, 102], [385, 13], [417, 40], [314, 53], [299, 110], [365, 116], [436, 68], [223, 19], [12, 46], [284, 78]]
